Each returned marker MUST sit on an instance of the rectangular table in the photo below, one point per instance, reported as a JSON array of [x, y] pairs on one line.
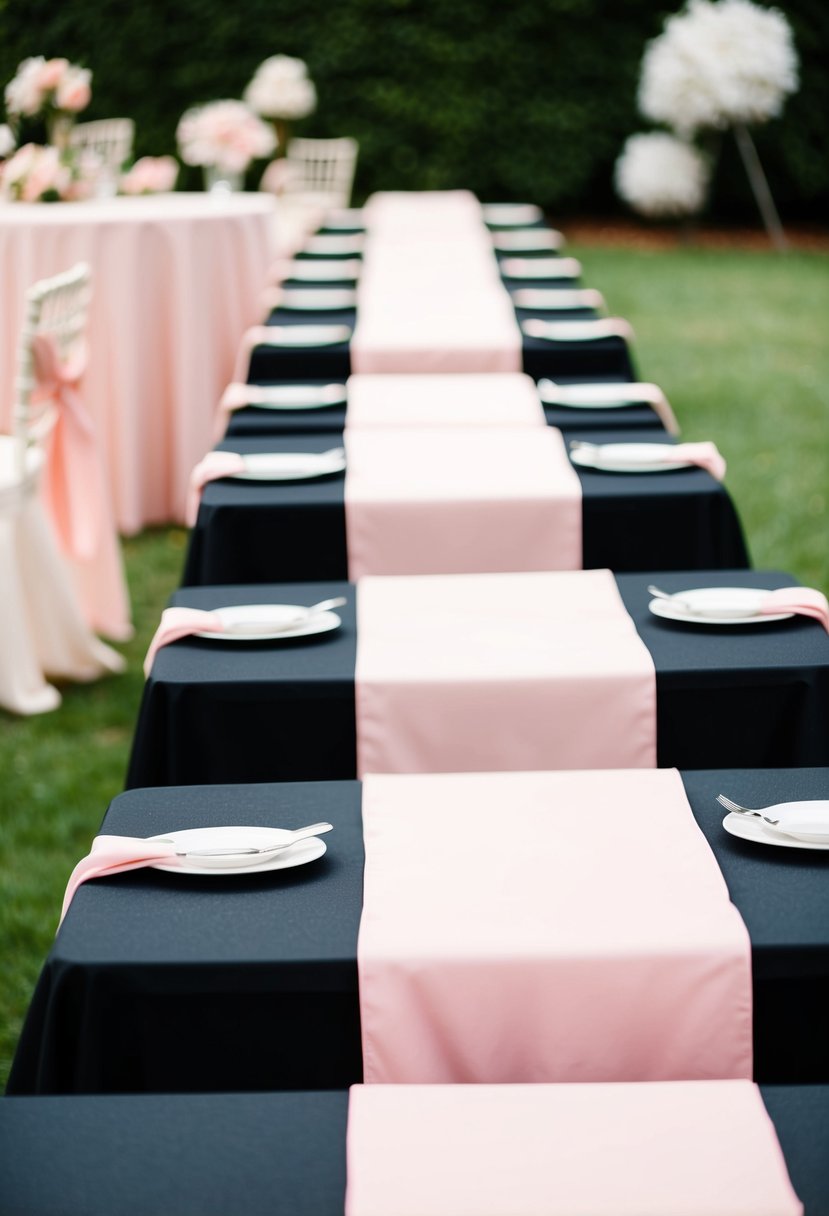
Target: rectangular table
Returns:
[[250, 532], [601, 357], [251, 421], [280, 1154], [161, 982], [215, 711]]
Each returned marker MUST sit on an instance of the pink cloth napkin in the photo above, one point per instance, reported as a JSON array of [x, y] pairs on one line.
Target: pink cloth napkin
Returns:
[[524, 927], [76, 495], [180, 623], [430, 299], [475, 672], [257, 335], [805, 601], [704, 454], [214, 466], [671, 1149], [114, 855], [506, 400], [460, 501]]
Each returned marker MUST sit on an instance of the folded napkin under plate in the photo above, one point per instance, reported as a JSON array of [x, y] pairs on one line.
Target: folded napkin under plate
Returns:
[[215, 851], [741, 605], [240, 623], [647, 457], [260, 466], [602, 396]]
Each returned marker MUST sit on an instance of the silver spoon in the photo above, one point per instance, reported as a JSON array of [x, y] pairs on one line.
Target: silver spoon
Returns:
[[314, 829]]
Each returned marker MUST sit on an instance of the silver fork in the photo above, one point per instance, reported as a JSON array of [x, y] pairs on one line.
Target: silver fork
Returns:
[[744, 810]]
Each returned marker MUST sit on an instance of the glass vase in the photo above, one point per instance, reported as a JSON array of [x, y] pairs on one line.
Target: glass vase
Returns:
[[218, 180]]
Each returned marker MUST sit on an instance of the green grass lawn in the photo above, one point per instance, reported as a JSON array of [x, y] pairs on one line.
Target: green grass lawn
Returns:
[[737, 341]]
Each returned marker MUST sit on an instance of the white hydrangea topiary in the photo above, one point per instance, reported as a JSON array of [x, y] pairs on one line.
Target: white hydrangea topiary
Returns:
[[281, 88], [661, 176], [718, 65]]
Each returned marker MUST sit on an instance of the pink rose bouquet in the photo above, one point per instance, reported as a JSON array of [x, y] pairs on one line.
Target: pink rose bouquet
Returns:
[[226, 134], [150, 175], [36, 174], [48, 86]]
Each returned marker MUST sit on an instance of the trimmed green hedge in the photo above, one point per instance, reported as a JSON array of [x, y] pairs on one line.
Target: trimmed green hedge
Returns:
[[514, 99]]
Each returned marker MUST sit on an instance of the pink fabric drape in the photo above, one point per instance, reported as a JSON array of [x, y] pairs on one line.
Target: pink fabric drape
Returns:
[[671, 1149], [471, 401], [477, 672], [178, 623], [453, 501], [115, 855], [76, 495], [177, 278], [430, 299], [524, 927], [212, 467]]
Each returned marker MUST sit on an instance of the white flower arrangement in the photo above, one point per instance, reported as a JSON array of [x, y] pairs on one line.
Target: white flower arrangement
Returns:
[[281, 88], [718, 65], [48, 86], [661, 176], [224, 134]]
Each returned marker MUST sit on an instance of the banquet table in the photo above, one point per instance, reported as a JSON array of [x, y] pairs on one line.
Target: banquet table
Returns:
[[176, 280], [252, 421], [255, 1154], [249, 532], [596, 358], [216, 711], [164, 982]]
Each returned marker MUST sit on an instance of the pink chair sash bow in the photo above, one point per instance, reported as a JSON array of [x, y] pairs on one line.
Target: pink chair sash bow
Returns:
[[74, 490]]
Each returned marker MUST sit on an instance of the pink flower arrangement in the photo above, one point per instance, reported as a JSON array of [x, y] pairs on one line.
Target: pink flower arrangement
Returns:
[[36, 174], [226, 134], [150, 175], [48, 85]]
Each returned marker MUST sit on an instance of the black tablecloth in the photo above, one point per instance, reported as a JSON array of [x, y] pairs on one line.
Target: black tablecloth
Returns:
[[249, 532], [254, 1154], [251, 422], [216, 710], [603, 357], [152, 975]]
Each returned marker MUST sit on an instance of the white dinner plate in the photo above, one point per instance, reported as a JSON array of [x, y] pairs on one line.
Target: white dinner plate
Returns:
[[591, 396], [306, 335], [236, 838], [540, 268], [291, 466], [299, 396], [557, 299], [317, 299], [525, 240], [748, 827], [511, 215], [625, 458], [323, 272], [237, 617], [333, 244], [717, 606]]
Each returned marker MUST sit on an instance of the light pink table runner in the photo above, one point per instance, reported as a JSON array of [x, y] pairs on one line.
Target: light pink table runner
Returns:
[[471, 401], [477, 672], [672, 1149], [453, 501], [525, 927], [430, 298]]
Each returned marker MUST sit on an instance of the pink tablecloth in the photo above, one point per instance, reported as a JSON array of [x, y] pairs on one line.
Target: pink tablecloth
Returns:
[[176, 280], [694, 1148], [524, 927]]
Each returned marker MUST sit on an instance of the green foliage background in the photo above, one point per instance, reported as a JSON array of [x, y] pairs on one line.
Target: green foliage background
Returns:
[[525, 99]]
